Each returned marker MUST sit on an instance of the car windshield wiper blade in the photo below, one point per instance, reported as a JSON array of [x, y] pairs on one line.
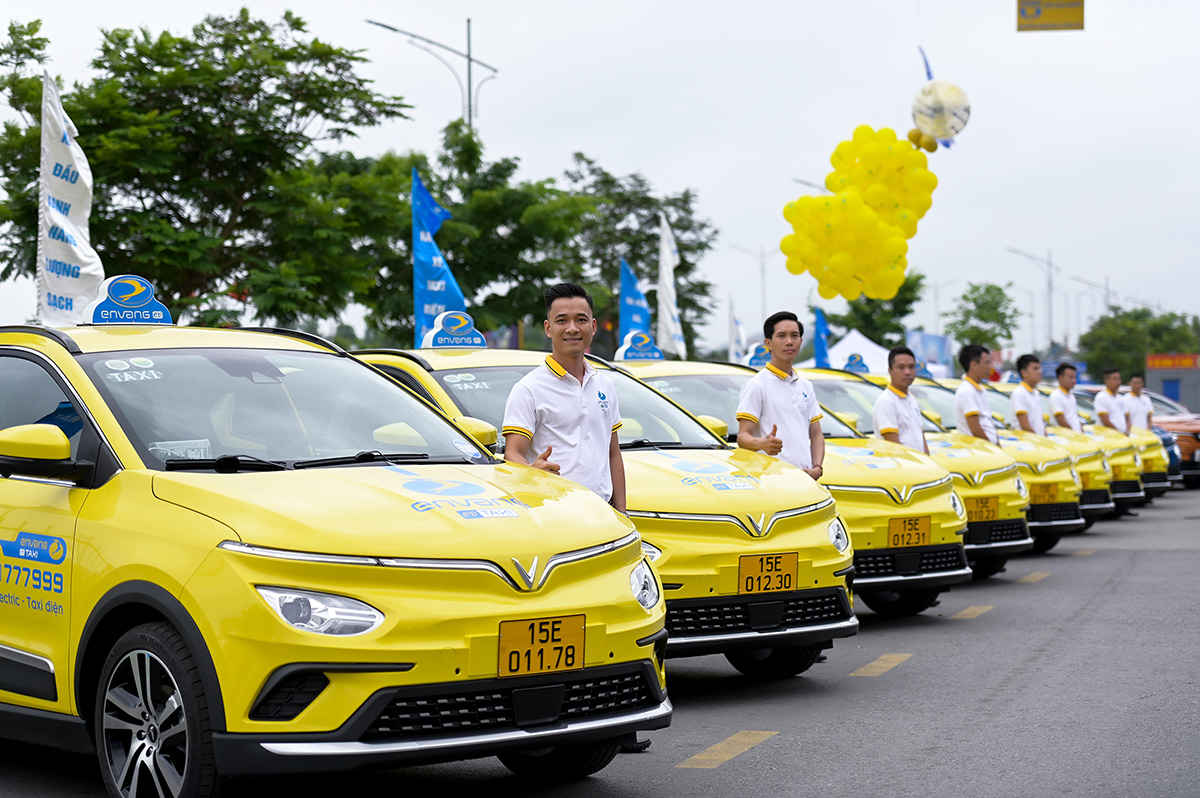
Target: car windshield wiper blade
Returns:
[[226, 464], [361, 457], [645, 443]]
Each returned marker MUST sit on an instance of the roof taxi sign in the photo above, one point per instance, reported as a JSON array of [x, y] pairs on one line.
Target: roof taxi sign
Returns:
[[757, 357], [638, 345], [126, 299], [453, 329]]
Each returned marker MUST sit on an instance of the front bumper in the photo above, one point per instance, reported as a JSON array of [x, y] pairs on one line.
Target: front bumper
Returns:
[[1055, 519], [1156, 483], [760, 620], [1095, 502], [997, 538], [462, 720], [1126, 492], [913, 567]]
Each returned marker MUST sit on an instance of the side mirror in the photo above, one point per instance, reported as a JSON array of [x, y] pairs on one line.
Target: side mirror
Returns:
[[936, 418], [849, 419], [1086, 417], [38, 450], [484, 433], [998, 417], [715, 425]]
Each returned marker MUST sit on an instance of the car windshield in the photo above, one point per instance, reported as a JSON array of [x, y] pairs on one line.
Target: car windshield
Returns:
[[854, 400], [201, 404], [1085, 400], [940, 400], [1165, 407], [645, 414]]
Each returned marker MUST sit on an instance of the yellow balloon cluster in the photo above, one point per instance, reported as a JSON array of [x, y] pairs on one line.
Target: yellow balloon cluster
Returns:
[[853, 242]]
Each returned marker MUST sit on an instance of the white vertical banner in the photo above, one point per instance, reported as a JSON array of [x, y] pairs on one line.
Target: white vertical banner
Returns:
[[737, 335], [670, 329], [69, 271]]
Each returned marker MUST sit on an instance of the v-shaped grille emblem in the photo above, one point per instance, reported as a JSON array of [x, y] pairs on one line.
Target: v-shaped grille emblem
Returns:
[[528, 577], [758, 525]]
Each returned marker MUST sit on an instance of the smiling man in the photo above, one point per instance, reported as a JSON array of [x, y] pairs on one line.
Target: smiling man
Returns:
[[777, 411], [563, 416]]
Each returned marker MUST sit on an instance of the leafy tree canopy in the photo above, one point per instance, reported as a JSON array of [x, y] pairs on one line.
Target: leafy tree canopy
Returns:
[[881, 320], [1121, 339], [985, 314]]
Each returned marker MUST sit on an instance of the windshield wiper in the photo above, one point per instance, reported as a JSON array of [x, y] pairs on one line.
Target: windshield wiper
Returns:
[[645, 443], [226, 464], [361, 457]]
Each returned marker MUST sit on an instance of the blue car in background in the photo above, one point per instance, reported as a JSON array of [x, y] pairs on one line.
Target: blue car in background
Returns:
[[1171, 444]]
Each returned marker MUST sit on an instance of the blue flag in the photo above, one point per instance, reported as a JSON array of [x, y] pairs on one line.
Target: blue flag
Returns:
[[821, 341], [635, 310], [434, 288]]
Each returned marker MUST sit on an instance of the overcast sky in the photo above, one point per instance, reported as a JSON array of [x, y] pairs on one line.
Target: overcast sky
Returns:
[[1080, 143]]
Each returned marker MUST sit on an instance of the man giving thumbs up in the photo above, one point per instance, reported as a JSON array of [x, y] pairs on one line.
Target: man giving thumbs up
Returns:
[[563, 417], [780, 399]]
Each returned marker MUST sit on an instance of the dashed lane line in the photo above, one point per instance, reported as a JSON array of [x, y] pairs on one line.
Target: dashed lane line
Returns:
[[1036, 576], [881, 665], [1083, 553], [973, 612], [726, 750]]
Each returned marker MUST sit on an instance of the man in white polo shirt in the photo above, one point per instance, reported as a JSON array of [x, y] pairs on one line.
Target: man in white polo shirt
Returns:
[[1026, 401], [1063, 407], [566, 410], [897, 415], [777, 409], [1110, 409], [971, 413], [1138, 404]]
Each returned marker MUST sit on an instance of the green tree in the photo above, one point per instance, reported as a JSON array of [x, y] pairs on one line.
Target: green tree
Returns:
[[198, 146], [881, 320], [625, 224], [1121, 339], [985, 314]]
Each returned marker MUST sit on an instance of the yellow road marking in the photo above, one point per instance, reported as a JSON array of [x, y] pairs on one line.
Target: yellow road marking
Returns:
[[726, 750], [881, 665], [973, 612], [1083, 552], [1036, 576]]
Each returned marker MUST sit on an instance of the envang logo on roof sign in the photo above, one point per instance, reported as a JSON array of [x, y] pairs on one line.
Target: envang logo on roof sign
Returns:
[[638, 345], [126, 299], [453, 329]]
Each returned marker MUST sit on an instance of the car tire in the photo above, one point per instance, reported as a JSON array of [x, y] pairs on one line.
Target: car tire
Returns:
[[985, 567], [151, 722], [561, 763], [775, 663], [1043, 543], [900, 603]]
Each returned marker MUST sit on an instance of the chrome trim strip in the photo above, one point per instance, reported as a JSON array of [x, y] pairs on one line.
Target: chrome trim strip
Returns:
[[356, 748], [732, 519], [979, 476], [25, 658], [902, 495], [1050, 524], [302, 556], [1004, 544], [450, 565], [60, 483], [867, 581], [586, 554], [840, 626], [1097, 508], [1141, 494]]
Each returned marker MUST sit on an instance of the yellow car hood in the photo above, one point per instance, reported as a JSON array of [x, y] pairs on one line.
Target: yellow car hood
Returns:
[[962, 454], [715, 481], [1107, 438], [877, 463], [1026, 447], [1074, 442], [433, 511]]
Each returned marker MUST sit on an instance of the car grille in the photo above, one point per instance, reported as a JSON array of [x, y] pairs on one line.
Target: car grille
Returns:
[[1094, 497], [758, 612], [907, 562], [1155, 478], [980, 532], [1064, 511], [499, 705], [1126, 486]]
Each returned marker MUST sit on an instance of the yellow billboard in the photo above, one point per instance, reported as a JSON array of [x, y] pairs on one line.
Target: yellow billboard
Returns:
[[1049, 15]]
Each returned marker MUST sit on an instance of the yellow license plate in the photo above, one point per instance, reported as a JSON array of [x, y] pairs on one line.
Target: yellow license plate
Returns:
[[541, 645], [1043, 494], [767, 573], [983, 509], [908, 531]]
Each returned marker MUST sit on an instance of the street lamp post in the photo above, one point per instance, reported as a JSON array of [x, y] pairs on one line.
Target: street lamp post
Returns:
[[937, 312], [1048, 264], [761, 254], [469, 90]]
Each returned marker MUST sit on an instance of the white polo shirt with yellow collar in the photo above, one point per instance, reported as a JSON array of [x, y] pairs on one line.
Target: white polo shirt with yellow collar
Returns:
[[899, 413], [1028, 402], [969, 400], [1110, 405], [552, 408], [773, 398], [1140, 409], [1062, 401]]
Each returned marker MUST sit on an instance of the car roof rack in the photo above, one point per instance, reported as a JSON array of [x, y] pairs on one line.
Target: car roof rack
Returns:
[[301, 335], [420, 361], [64, 340]]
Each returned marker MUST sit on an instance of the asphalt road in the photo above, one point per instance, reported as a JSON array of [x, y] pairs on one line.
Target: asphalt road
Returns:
[[1072, 673]]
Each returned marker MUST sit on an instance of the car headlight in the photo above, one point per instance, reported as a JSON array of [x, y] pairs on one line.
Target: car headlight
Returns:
[[644, 586], [652, 553], [1022, 490], [957, 504], [838, 536], [321, 612]]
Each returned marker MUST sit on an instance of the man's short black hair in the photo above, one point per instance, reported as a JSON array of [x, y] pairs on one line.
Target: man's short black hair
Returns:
[[775, 318], [1025, 361], [899, 350], [969, 354], [1137, 375], [1063, 367], [565, 291], [1106, 372]]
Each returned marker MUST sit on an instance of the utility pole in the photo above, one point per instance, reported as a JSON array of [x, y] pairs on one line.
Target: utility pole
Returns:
[[762, 270], [1046, 263], [937, 312]]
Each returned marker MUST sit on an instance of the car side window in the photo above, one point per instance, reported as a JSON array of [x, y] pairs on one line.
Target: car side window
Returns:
[[29, 395]]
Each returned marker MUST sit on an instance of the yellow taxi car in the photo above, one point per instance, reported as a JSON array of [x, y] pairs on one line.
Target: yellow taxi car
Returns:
[[1091, 463], [751, 552], [1152, 472], [905, 520], [229, 552]]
